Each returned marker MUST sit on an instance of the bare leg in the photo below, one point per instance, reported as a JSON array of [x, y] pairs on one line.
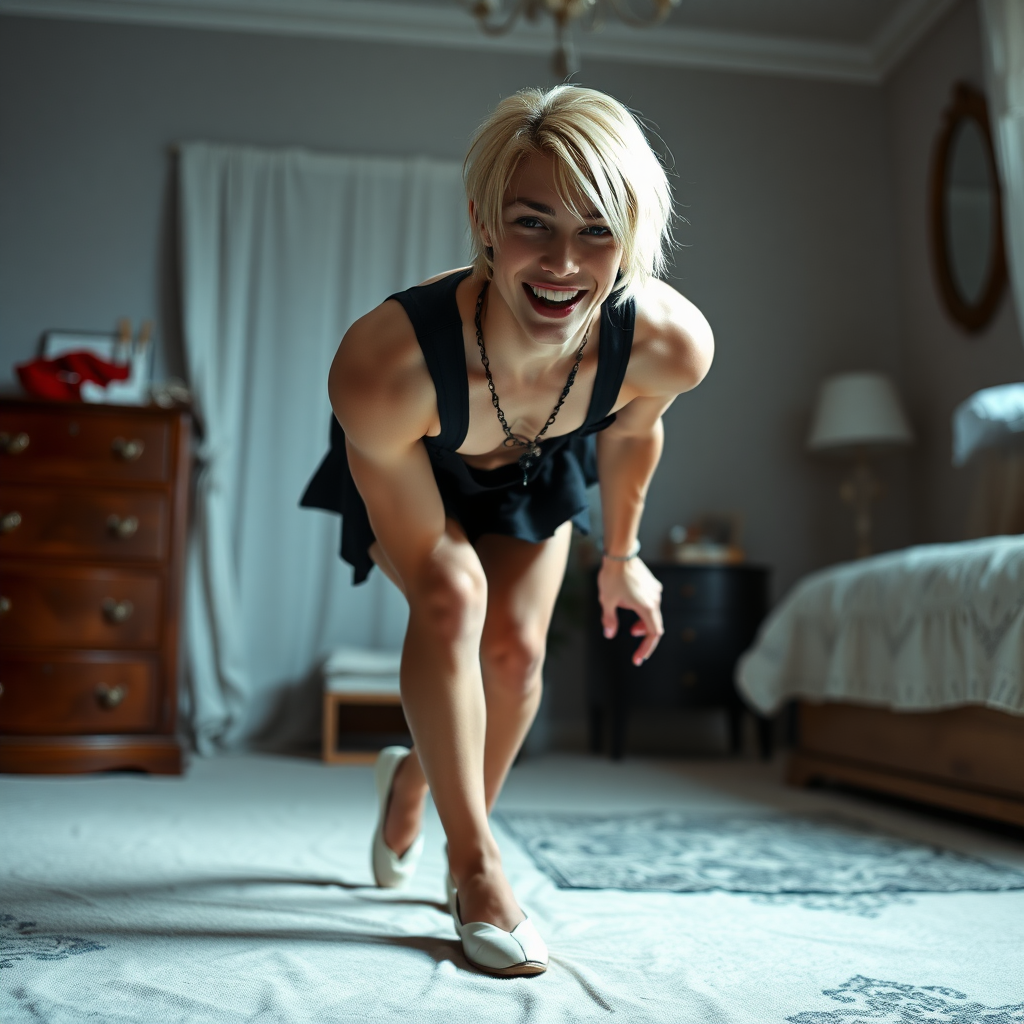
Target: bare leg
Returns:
[[523, 581], [443, 697], [523, 584]]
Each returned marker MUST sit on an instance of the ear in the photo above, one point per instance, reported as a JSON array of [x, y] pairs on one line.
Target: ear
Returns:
[[484, 233]]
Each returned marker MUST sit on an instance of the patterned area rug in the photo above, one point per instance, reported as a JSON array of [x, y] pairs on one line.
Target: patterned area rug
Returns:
[[20, 940], [767, 855], [869, 999]]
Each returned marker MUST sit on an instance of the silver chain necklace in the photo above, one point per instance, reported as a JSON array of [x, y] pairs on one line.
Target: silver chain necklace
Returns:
[[531, 448]]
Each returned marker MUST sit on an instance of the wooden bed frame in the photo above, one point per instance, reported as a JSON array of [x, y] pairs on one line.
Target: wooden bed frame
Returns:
[[969, 759]]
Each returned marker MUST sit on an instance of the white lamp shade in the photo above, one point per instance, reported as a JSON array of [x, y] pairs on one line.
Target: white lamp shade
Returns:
[[858, 409]]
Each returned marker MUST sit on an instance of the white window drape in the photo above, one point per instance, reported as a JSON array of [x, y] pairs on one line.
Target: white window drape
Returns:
[[280, 252], [1003, 31]]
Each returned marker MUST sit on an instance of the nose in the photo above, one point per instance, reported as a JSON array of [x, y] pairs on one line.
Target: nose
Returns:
[[560, 256]]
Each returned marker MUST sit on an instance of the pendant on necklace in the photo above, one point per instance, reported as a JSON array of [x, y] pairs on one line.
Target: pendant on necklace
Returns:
[[527, 458]]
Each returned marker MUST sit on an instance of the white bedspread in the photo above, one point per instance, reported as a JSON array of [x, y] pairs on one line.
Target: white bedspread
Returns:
[[929, 627]]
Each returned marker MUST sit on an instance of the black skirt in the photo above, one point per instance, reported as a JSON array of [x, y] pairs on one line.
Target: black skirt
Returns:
[[482, 501]]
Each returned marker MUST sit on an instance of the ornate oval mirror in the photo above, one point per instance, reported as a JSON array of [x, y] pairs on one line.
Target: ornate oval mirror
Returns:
[[966, 213]]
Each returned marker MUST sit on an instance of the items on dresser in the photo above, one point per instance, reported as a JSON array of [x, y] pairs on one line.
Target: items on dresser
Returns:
[[711, 615], [93, 504], [90, 367]]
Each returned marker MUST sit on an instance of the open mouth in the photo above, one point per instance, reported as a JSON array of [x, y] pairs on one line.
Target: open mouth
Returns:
[[553, 300]]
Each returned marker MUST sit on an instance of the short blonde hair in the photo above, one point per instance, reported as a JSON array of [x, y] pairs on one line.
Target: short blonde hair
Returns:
[[601, 154]]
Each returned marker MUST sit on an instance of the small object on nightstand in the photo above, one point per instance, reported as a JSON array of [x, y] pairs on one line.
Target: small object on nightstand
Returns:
[[711, 615], [712, 540]]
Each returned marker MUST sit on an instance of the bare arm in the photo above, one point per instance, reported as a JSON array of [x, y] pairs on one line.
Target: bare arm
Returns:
[[672, 353], [384, 400]]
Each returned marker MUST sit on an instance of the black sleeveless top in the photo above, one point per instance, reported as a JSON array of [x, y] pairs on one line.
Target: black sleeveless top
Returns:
[[482, 500]]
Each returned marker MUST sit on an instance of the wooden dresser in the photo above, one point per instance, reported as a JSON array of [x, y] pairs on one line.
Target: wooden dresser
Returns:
[[93, 504]]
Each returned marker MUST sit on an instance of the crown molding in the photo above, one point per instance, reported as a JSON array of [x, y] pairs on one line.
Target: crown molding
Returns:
[[904, 29], [433, 25]]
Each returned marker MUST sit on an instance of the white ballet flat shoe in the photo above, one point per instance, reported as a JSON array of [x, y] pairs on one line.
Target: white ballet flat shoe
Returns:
[[491, 949], [389, 870]]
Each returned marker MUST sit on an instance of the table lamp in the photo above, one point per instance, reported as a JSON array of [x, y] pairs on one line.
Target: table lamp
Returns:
[[856, 412]]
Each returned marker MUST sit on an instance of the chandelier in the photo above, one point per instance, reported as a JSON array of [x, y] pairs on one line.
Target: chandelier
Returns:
[[496, 17]]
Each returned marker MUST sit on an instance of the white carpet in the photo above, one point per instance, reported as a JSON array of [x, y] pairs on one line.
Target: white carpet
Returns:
[[239, 893]]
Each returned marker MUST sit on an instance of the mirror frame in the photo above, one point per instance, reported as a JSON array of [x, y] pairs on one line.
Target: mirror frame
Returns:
[[967, 104]]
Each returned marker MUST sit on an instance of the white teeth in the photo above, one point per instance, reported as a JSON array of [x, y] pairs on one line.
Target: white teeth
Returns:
[[551, 296]]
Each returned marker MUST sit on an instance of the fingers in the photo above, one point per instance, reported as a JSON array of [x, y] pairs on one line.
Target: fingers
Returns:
[[609, 621], [651, 628]]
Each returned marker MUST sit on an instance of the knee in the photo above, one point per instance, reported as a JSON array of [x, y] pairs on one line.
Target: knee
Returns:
[[512, 659], [451, 598]]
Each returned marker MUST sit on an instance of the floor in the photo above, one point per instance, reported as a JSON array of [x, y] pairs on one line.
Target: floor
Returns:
[[240, 892]]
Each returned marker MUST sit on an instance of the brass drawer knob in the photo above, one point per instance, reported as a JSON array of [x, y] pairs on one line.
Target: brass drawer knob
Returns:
[[127, 450], [689, 679], [5, 604], [10, 522], [689, 635], [14, 444], [110, 696], [117, 611], [123, 528]]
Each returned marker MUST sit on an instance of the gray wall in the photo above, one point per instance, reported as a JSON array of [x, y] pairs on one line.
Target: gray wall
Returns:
[[785, 185], [943, 364], [790, 246]]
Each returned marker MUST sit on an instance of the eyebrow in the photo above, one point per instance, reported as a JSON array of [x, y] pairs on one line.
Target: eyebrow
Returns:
[[541, 208]]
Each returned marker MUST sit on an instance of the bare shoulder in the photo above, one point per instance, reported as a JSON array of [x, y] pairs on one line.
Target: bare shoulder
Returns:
[[379, 385], [672, 343], [447, 273]]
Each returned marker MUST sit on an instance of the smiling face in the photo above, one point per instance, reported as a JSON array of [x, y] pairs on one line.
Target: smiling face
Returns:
[[551, 269]]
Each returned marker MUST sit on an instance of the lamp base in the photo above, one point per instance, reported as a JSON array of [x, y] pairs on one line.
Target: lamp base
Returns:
[[860, 489]]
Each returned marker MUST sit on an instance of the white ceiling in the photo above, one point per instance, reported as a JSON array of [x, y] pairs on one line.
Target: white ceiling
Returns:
[[850, 40]]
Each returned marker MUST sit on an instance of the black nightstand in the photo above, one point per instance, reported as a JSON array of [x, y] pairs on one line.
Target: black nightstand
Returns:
[[711, 615]]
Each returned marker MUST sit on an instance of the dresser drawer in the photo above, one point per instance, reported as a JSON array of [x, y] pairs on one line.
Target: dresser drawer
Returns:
[[83, 522], [82, 444], [681, 685], [76, 695], [61, 607], [701, 588]]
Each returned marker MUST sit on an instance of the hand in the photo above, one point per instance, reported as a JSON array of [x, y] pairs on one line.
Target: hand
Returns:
[[631, 585]]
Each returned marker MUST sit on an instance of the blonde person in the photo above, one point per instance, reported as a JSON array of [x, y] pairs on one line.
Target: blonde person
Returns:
[[472, 413]]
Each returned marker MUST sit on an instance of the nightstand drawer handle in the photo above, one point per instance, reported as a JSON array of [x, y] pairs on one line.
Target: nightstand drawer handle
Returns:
[[127, 450], [689, 635], [10, 522], [117, 611], [689, 679], [123, 528], [5, 605], [110, 696], [14, 444]]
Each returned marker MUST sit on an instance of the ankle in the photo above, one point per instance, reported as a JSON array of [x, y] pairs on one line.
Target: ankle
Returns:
[[474, 861]]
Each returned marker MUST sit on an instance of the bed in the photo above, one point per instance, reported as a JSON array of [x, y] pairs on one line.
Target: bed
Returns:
[[908, 672]]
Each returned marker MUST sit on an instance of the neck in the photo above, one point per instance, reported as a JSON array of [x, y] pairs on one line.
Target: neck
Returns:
[[513, 347]]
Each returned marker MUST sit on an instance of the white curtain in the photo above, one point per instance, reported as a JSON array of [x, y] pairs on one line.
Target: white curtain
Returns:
[[1003, 31], [281, 252]]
